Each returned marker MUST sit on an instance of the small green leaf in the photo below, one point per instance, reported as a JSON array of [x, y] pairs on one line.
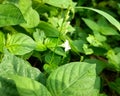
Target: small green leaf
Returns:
[[58, 51], [10, 15], [74, 79], [51, 42], [52, 58], [113, 60], [87, 50], [77, 45], [49, 30], [39, 37], [20, 44], [91, 24], [49, 68], [100, 38], [94, 41]]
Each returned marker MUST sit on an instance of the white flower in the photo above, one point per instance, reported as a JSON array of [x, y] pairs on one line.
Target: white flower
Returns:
[[66, 45]]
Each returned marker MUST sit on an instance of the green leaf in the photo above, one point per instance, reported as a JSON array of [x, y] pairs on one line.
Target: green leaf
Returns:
[[2, 41], [49, 30], [99, 37], [113, 60], [108, 30], [20, 44], [100, 65], [74, 79], [87, 50], [77, 45], [7, 87], [91, 24], [111, 19], [39, 37], [10, 15], [24, 86], [15, 65], [105, 30], [94, 41], [99, 51], [115, 85], [58, 51], [52, 58], [31, 16], [23, 5], [60, 3], [51, 42]]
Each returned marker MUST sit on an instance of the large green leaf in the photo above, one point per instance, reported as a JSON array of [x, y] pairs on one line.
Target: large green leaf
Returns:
[[20, 44], [60, 3], [22, 86], [10, 15], [24, 5], [31, 16], [15, 65], [74, 79], [111, 19]]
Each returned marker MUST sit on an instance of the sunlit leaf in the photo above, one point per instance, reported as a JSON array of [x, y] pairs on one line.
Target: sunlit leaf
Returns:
[[74, 79], [113, 59], [39, 37], [20, 44], [31, 16], [10, 15]]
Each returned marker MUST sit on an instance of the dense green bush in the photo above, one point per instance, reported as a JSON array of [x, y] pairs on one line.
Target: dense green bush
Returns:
[[59, 48]]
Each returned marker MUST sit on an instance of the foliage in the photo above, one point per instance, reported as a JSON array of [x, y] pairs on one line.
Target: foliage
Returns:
[[59, 48]]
